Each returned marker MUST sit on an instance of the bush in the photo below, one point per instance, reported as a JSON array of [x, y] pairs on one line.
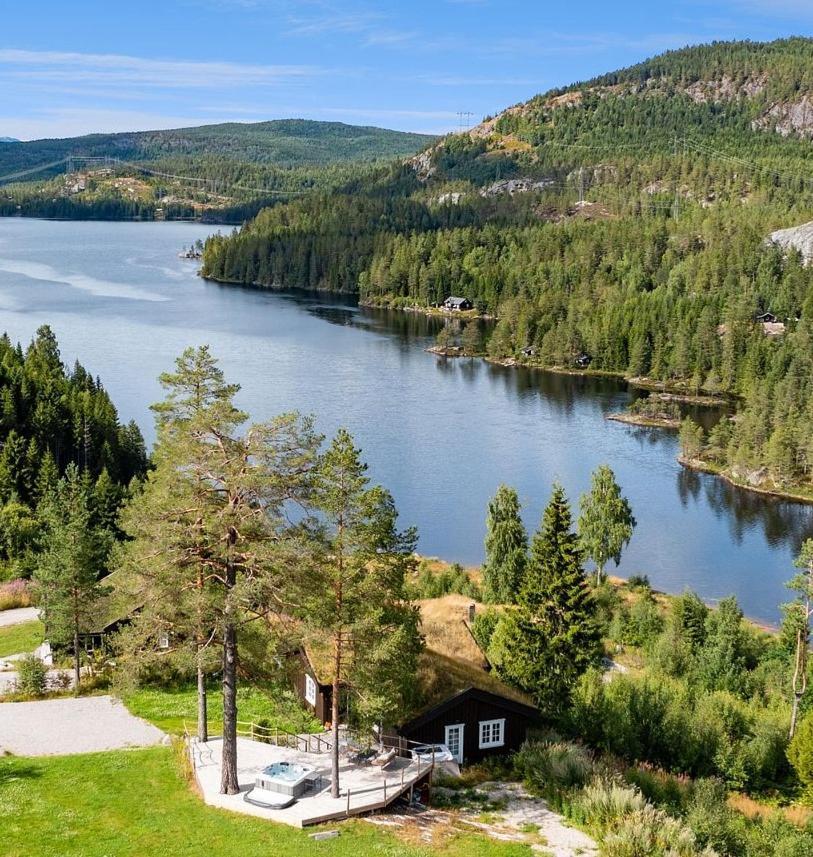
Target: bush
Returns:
[[32, 676], [552, 766], [800, 755], [643, 624], [15, 593], [714, 823], [650, 832], [603, 805], [639, 581], [483, 627]]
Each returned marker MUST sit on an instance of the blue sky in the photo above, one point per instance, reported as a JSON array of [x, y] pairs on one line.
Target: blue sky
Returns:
[[74, 67]]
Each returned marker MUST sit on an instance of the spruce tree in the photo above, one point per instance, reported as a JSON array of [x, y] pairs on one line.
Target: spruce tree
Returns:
[[506, 547], [71, 564], [554, 636]]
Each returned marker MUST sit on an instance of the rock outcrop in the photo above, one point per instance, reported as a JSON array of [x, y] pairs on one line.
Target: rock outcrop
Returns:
[[796, 238]]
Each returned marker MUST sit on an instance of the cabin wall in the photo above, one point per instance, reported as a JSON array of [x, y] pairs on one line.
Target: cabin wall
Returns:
[[321, 710], [471, 711]]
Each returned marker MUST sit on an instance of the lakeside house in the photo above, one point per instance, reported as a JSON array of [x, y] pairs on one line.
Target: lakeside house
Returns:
[[456, 304], [460, 702]]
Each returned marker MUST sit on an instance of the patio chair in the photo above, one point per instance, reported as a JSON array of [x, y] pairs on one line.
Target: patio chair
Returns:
[[384, 759]]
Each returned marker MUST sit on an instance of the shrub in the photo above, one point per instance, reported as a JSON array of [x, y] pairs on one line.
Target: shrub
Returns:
[[643, 624], [714, 823], [483, 627], [32, 676], [650, 832], [800, 755], [15, 593], [603, 805], [639, 581], [549, 766]]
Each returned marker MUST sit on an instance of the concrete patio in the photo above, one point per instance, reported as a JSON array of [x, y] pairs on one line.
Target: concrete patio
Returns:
[[369, 787]]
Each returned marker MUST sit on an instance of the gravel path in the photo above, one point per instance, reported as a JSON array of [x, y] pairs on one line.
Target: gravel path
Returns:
[[18, 616], [59, 727]]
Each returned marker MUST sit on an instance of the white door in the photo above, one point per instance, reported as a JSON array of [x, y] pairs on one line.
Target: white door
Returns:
[[454, 740]]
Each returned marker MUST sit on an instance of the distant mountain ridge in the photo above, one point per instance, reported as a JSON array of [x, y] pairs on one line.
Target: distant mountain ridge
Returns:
[[283, 143], [9, 140]]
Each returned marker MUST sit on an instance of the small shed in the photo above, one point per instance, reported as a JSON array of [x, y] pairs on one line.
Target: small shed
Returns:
[[766, 318], [583, 360], [455, 304]]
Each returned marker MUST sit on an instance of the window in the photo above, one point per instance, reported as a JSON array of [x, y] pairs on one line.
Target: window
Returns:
[[310, 690], [492, 733]]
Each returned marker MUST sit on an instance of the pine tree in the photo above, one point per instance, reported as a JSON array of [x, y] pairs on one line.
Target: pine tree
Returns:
[[606, 521], [506, 547], [355, 595], [553, 636], [210, 545]]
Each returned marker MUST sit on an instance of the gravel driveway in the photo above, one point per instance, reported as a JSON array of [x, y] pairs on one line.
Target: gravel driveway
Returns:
[[59, 727], [18, 615]]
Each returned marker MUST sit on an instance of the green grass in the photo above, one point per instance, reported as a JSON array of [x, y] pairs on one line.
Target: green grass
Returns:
[[169, 708], [132, 803], [15, 639]]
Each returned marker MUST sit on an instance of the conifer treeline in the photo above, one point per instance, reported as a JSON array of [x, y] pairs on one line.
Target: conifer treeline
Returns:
[[51, 418], [620, 279]]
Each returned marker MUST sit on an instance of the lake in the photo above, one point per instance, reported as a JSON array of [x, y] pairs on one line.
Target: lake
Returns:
[[440, 434]]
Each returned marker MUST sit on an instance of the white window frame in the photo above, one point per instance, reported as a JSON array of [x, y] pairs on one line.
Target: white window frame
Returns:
[[492, 728], [310, 689], [462, 730]]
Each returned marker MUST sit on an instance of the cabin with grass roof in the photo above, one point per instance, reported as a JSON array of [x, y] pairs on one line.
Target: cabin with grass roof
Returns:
[[460, 703]]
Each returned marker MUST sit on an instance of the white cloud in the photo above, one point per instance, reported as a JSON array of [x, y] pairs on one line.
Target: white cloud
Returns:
[[118, 69]]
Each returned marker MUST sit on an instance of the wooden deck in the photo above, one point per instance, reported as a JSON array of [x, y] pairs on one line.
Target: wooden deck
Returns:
[[363, 788]]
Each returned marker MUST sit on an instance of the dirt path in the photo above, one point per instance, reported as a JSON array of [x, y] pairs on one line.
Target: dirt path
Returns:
[[521, 818], [18, 616], [60, 727]]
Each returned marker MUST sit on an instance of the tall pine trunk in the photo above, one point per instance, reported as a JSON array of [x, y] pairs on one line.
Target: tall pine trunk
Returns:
[[228, 778], [203, 726], [334, 718], [77, 668]]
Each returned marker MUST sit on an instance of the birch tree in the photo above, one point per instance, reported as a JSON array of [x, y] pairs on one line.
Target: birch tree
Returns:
[[606, 522]]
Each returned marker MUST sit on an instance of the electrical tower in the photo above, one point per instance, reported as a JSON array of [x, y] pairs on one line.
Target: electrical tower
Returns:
[[464, 119]]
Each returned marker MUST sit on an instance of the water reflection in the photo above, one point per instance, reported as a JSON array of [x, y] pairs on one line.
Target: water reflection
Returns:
[[442, 434]]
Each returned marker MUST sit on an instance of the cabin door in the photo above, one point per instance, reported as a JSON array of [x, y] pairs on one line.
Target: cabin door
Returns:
[[454, 741]]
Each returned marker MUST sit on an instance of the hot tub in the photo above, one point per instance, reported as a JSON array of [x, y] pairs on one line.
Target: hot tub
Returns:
[[285, 778]]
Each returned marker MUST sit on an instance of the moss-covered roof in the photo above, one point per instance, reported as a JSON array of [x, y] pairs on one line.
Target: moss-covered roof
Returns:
[[451, 663]]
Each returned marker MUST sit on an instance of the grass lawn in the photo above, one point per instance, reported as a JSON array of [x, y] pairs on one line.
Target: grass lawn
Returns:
[[133, 803], [168, 708], [21, 638]]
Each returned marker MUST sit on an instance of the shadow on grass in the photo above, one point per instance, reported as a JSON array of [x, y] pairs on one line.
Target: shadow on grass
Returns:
[[12, 769]]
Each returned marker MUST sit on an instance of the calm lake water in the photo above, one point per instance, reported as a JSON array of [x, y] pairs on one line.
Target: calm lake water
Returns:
[[440, 434]]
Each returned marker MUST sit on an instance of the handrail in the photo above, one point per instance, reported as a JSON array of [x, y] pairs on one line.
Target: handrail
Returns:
[[283, 737]]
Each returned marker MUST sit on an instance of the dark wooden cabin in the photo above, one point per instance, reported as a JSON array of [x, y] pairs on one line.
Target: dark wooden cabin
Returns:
[[460, 702], [456, 304], [473, 723]]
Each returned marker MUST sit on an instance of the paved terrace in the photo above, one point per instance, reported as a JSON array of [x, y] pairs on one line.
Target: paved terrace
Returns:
[[366, 784]]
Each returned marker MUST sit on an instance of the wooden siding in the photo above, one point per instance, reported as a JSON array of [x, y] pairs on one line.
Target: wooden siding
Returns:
[[321, 710], [470, 708]]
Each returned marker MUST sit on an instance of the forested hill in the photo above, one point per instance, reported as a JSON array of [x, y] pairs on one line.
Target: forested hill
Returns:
[[625, 220], [283, 143], [226, 172]]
